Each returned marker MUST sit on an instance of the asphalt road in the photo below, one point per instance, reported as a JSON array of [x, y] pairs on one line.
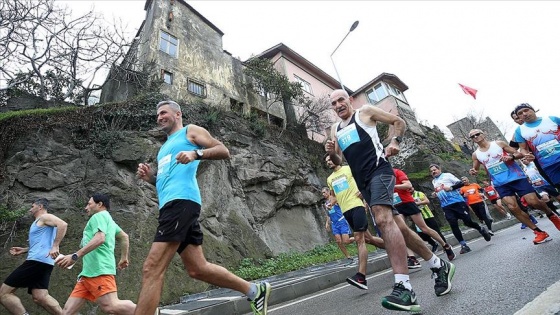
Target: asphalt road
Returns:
[[497, 277]]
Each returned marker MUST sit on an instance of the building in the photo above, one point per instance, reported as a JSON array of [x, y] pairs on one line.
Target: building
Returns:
[[460, 130], [179, 46]]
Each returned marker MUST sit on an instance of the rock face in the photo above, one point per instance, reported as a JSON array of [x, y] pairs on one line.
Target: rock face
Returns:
[[261, 202]]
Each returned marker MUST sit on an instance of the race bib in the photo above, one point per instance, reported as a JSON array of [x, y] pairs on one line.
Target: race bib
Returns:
[[396, 199], [347, 136], [340, 185], [549, 148], [163, 165], [491, 193], [496, 168]]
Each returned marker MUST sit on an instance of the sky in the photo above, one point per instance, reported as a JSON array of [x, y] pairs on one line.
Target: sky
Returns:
[[507, 50]]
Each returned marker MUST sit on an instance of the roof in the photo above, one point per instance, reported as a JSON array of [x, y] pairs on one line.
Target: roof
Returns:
[[287, 51], [194, 11], [386, 77]]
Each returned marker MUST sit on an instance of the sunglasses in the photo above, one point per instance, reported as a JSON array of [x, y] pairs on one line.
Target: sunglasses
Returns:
[[475, 135]]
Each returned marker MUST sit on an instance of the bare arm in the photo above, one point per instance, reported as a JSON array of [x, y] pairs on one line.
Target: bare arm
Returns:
[[374, 114], [61, 226], [332, 148], [122, 237], [96, 241], [423, 200], [406, 184], [213, 149], [146, 173]]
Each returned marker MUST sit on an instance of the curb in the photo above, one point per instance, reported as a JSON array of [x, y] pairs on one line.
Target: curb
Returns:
[[225, 301]]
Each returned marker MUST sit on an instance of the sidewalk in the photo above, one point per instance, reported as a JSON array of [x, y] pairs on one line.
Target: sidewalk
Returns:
[[295, 284]]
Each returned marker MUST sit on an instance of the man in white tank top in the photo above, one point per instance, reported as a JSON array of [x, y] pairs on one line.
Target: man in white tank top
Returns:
[[509, 179]]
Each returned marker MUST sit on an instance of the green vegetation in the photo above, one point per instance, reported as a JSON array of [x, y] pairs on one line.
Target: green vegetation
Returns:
[[9, 215], [35, 112], [419, 175], [251, 269]]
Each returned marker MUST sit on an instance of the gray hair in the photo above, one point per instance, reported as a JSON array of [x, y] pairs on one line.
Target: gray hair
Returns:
[[42, 202], [171, 104]]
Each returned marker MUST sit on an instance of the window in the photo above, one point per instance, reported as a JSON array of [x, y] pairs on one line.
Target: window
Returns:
[[304, 85], [167, 77], [197, 88], [168, 43], [377, 93]]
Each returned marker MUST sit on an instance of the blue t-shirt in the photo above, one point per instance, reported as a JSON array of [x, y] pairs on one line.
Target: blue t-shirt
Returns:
[[447, 198], [176, 181]]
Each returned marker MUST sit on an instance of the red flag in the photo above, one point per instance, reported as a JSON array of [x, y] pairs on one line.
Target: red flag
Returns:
[[468, 90]]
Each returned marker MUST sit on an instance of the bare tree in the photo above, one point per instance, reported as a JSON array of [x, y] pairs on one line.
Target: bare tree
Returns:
[[473, 120], [314, 114], [37, 37]]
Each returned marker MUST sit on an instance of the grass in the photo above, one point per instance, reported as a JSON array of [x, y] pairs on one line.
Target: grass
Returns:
[[252, 269], [38, 111]]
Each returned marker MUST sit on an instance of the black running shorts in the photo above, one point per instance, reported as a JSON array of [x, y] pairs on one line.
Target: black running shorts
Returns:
[[31, 275], [178, 222]]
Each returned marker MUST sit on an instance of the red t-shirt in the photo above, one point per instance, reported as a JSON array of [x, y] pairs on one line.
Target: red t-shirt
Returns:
[[401, 195], [491, 193]]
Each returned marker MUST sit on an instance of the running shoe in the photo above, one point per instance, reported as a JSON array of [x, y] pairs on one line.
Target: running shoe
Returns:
[[413, 263], [540, 237], [449, 252], [401, 299], [508, 216], [435, 247], [358, 281], [491, 232], [523, 226], [555, 220], [485, 234], [443, 275], [465, 249], [260, 304]]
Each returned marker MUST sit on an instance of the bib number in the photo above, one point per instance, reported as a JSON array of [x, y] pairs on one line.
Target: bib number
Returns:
[[340, 185], [549, 148], [347, 136], [497, 168], [396, 199]]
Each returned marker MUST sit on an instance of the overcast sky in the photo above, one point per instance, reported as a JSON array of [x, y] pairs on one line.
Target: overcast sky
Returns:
[[507, 50]]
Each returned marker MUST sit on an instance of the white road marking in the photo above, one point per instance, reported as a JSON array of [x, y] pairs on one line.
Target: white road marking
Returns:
[[547, 303]]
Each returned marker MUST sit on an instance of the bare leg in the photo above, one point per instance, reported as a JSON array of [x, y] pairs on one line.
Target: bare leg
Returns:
[[200, 269], [73, 305], [412, 240], [373, 240], [153, 273], [10, 301], [362, 251], [521, 215], [534, 202], [41, 297], [421, 224], [341, 245], [392, 237], [110, 304]]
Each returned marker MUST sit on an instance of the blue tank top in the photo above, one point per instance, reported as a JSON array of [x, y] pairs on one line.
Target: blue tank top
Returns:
[[41, 239], [362, 149], [500, 172], [176, 181], [335, 213]]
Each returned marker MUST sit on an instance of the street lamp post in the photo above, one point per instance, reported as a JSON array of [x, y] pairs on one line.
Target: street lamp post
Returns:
[[353, 27]]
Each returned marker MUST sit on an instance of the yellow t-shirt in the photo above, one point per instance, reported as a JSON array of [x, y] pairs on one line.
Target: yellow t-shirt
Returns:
[[345, 189]]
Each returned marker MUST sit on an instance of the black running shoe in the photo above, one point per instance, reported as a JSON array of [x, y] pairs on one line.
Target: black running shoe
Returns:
[[435, 247], [484, 232], [443, 276], [465, 249], [413, 263], [401, 299], [358, 281], [449, 252]]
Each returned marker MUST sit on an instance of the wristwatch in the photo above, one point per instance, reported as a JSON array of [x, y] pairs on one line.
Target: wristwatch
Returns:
[[398, 139], [199, 153], [75, 257]]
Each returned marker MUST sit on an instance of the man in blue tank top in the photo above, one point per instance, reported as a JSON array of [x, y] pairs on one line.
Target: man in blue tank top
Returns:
[[45, 235], [179, 209], [355, 138]]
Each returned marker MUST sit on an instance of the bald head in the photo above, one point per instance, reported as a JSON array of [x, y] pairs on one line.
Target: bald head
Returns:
[[336, 94]]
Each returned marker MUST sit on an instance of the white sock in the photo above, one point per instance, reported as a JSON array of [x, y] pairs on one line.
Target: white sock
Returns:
[[253, 291], [404, 279], [435, 262]]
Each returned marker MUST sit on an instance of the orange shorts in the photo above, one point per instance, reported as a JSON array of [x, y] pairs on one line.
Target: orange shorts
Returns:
[[93, 288]]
